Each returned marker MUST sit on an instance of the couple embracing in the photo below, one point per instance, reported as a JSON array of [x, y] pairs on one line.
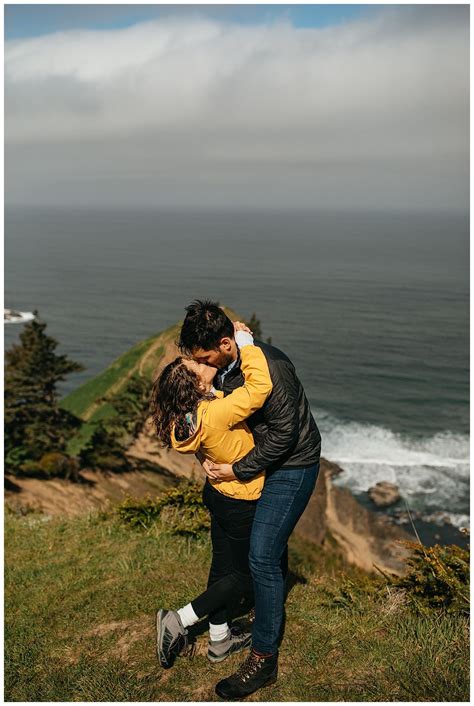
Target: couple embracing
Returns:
[[239, 406]]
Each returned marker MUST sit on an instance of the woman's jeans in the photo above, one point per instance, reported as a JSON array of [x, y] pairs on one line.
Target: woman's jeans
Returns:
[[229, 577], [285, 495]]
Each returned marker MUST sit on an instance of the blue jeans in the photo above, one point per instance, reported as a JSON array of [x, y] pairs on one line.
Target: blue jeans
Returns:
[[284, 497]]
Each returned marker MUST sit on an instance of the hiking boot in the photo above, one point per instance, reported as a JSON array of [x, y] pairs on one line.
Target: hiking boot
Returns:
[[171, 637], [235, 640], [257, 671]]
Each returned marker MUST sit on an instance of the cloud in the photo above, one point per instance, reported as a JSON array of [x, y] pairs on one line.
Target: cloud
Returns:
[[202, 112]]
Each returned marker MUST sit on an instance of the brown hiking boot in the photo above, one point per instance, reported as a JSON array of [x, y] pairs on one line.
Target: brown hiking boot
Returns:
[[257, 671]]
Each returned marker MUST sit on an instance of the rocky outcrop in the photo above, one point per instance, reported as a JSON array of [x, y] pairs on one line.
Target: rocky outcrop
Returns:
[[384, 494], [366, 539]]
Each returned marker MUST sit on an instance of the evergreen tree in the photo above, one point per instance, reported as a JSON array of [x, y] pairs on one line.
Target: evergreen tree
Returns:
[[34, 422], [107, 446], [132, 407], [104, 450], [256, 327]]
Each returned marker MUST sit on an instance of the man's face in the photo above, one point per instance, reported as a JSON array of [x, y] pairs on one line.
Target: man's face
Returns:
[[217, 358]]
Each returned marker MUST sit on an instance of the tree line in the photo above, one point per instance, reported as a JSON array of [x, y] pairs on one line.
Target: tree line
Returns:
[[37, 430]]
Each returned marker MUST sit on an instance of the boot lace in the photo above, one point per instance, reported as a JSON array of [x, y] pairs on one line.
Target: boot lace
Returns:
[[250, 667]]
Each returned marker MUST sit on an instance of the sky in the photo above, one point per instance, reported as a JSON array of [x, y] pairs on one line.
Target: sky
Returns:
[[268, 106]]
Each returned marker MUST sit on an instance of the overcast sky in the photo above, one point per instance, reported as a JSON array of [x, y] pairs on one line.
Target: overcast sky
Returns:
[[349, 108]]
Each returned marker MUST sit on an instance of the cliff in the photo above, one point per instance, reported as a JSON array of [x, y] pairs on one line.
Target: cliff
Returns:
[[366, 539]]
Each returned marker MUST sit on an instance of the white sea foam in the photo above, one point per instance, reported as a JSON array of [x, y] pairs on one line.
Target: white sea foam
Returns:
[[454, 518], [432, 472]]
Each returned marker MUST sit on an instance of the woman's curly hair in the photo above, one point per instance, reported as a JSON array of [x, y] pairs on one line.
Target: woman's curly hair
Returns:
[[175, 392]]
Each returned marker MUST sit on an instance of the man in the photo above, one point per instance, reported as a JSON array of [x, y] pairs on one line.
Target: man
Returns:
[[287, 447]]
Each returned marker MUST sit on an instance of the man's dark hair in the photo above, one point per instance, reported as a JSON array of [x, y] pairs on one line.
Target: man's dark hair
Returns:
[[204, 326]]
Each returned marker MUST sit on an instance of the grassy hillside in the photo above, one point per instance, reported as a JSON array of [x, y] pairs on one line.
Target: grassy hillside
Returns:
[[87, 401], [80, 601]]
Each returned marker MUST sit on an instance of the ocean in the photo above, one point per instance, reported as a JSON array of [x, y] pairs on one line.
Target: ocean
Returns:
[[373, 309]]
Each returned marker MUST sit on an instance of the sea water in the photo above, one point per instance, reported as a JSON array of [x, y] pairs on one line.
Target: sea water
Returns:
[[373, 309]]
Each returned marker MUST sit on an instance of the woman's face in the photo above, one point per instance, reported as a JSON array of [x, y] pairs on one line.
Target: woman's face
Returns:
[[205, 373]]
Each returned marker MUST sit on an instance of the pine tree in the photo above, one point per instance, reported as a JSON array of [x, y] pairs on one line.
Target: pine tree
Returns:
[[132, 407], [256, 327], [34, 422], [104, 450]]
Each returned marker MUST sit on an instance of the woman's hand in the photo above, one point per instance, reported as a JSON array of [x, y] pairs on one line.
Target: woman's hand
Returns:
[[240, 326]]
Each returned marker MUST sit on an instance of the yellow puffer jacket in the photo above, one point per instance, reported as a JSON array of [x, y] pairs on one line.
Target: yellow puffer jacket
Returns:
[[221, 433]]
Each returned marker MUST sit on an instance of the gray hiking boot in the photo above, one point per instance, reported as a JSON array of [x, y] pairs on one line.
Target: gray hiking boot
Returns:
[[236, 640], [171, 637]]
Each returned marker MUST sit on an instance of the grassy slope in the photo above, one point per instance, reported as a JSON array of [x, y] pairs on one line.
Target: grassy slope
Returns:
[[80, 626], [142, 359], [86, 401]]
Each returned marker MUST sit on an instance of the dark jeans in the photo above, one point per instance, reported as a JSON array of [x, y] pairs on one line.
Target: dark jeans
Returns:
[[229, 577], [285, 495]]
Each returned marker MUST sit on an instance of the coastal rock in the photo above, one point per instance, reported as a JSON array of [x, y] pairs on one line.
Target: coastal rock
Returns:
[[384, 494], [404, 517], [365, 538]]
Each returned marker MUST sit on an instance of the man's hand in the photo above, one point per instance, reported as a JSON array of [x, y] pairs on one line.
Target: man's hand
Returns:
[[218, 471]]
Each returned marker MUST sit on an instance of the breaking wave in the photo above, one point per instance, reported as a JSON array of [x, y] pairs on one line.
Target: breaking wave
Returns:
[[432, 473]]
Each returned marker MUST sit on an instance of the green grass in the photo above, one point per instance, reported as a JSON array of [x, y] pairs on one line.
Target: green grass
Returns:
[[81, 400], [85, 401], [80, 599]]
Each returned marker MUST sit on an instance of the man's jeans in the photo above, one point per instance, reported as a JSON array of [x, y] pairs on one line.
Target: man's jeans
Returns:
[[284, 497]]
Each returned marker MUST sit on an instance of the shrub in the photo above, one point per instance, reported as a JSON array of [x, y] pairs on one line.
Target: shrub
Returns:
[[438, 577], [180, 509], [104, 450], [352, 592], [131, 408], [50, 465]]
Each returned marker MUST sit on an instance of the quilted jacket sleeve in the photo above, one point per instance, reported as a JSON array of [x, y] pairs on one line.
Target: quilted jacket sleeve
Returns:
[[281, 415]]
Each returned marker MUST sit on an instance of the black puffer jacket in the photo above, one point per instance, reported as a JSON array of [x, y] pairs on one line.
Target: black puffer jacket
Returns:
[[284, 430]]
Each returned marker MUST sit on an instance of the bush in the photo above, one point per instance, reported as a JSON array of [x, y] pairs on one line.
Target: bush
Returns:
[[52, 465], [104, 450], [438, 577], [180, 509], [131, 408], [352, 592]]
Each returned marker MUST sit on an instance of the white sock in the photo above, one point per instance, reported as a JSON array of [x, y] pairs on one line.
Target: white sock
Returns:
[[218, 632], [187, 615]]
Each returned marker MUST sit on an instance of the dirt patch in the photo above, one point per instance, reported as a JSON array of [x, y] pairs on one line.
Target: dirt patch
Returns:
[[129, 632], [146, 448], [106, 628], [99, 490], [204, 693]]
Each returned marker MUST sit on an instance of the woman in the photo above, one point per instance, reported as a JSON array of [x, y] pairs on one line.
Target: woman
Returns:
[[192, 417]]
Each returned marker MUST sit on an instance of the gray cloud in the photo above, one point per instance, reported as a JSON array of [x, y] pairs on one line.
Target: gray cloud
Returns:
[[187, 112]]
